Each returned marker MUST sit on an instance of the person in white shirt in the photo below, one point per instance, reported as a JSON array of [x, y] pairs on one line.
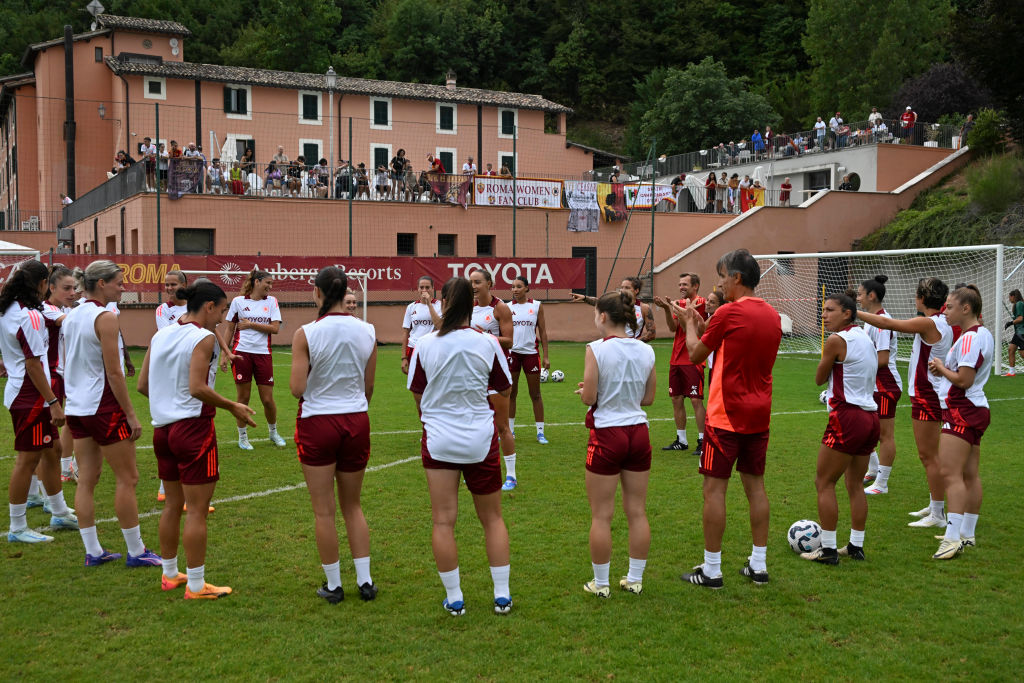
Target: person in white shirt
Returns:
[[178, 376], [469, 168], [254, 316], [875, 117], [848, 364], [451, 374], [819, 133], [965, 416], [527, 330], [350, 303], [172, 309], [422, 317], [35, 410], [101, 414], [618, 379], [334, 359], [148, 152], [834, 124]]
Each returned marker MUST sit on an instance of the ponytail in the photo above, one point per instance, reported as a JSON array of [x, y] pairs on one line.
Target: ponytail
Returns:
[[255, 276], [876, 286], [199, 293], [23, 285], [619, 308], [457, 294], [333, 284]]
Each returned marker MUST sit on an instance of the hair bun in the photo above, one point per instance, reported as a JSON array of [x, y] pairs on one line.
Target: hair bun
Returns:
[[881, 279]]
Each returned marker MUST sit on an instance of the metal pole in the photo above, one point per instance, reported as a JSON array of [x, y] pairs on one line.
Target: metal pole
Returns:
[[997, 366], [330, 159], [69, 111], [515, 197], [156, 106], [654, 161], [351, 185]]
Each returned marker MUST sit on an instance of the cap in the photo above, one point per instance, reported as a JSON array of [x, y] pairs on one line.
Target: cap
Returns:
[[908, 108]]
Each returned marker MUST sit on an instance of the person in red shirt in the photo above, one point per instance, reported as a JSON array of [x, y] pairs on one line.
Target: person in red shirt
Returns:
[[907, 121], [685, 378], [786, 188], [744, 334]]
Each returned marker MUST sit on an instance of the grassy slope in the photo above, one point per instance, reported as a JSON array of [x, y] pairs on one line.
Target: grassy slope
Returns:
[[899, 612]]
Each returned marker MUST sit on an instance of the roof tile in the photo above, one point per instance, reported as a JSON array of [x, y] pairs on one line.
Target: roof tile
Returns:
[[142, 25]]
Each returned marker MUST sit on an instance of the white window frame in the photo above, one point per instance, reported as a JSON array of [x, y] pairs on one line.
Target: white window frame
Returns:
[[437, 118], [248, 105], [319, 108], [455, 158], [234, 138], [146, 80], [320, 150], [374, 126], [515, 121], [387, 165], [515, 162]]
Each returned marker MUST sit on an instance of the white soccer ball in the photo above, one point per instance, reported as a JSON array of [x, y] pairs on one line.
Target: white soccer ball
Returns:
[[804, 536], [557, 376], [543, 375], [823, 397]]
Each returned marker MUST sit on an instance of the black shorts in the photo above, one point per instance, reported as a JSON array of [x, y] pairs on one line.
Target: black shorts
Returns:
[[1018, 341]]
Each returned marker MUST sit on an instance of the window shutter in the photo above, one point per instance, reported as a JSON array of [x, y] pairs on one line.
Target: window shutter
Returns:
[[227, 99], [243, 106]]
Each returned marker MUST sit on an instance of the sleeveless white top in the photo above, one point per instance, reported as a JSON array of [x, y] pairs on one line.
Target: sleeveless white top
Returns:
[[85, 376], [976, 349], [167, 313], [484, 319], [639, 330], [888, 377], [339, 347], [852, 381], [170, 362], [623, 366], [921, 383], [524, 326]]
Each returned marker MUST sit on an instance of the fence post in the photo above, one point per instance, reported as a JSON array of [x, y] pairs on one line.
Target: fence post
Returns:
[[351, 186], [997, 366], [515, 197], [654, 161], [156, 106]]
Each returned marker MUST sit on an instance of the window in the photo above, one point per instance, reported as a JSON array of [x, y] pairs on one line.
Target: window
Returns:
[[380, 113], [406, 244], [310, 107], [197, 241], [240, 144], [381, 155], [819, 180], [312, 151], [447, 115], [154, 88], [99, 54], [508, 119], [448, 157], [237, 101], [111, 242], [507, 159], [589, 255], [445, 245], [485, 245]]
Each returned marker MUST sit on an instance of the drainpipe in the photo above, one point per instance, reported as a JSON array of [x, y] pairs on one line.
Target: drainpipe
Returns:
[[69, 109]]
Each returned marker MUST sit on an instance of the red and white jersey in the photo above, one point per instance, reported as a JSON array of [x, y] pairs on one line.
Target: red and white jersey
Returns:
[[170, 361], [974, 349], [524, 326], [484, 319], [852, 381], [85, 376], [921, 383], [888, 380], [680, 354], [22, 336], [53, 316], [339, 347], [623, 366], [167, 313], [262, 311], [639, 329], [418, 321], [452, 374]]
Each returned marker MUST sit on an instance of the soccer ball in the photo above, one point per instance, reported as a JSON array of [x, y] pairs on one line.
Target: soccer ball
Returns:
[[804, 536], [823, 397], [557, 376], [543, 375]]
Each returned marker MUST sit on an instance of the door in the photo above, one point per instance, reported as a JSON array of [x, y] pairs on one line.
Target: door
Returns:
[[589, 254]]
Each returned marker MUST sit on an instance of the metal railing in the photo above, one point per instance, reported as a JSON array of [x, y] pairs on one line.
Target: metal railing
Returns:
[[30, 220], [128, 182]]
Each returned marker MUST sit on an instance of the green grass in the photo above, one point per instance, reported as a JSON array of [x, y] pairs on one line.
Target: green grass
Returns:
[[898, 615]]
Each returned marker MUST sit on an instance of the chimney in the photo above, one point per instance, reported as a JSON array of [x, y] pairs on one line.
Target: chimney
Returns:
[[449, 80]]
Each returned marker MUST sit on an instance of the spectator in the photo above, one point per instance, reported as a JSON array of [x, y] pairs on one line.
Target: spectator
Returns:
[[65, 200], [343, 181], [215, 177], [469, 168], [323, 175], [436, 165], [833, 126], [758, 143], [745, 193], [191, 152], [274, 181], [907, 128], [490, 170], [314, 187], [398, 174], [722, 154], [409, 182], [176, 151], [965, 130], [238, 179], [421, 188], [248, 161], [677, 183], [613, 178], [769, 141], [881, 132], [148, 152], [294, 179], [819, 133], [785, 188], [846, 185], [162, 157], [381, 182], [734, 193], [281, 159], [710, 186], [506, 173], [874, 117], [362, 182], [734, 152], [721, 190]]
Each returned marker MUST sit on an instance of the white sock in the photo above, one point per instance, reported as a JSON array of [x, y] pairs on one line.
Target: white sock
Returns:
[[601, 573], [243, 434], [759, 558], [681, 436], [133, 539], [33, 487], [451, 585], [873, 463], [333, 574], [937, 508], [18, 521], [362, 570], [170, 565], [196, 578], [512, 424], [272, 428], [636, 570], [540, 427], [828, 539], [510, 465], [712, 564], [882, 479], [969, 523], [65, 463], [91, 541], [857, 538], [700, 436], [499, 575], [954, 523], [58, 506], [161, 491]]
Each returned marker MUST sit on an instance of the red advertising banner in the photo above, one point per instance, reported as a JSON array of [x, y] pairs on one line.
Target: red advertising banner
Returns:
[[146, 272]]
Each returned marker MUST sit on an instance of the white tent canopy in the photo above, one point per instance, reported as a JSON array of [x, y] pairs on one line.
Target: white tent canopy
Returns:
[[12, 249]]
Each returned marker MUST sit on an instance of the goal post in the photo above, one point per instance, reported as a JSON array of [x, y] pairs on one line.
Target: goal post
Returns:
[[11, 256], [796, 284]]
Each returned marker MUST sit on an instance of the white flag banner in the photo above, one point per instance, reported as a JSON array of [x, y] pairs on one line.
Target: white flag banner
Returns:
[[584, 212], [639, 196], [496, 191]]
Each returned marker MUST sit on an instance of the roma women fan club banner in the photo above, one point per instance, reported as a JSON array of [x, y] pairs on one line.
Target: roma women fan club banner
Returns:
[[145, 273]]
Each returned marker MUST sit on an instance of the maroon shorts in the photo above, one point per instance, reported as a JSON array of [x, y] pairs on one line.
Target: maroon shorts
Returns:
[[887, 404], [482, 477], [925, 410], [612, 449], [104, 428], [851, 430], [722, 448], [339, 440], [686, 380], [57, 384], [33, 430], [186, 451], [528, 362], [253, 365], [966, 423]]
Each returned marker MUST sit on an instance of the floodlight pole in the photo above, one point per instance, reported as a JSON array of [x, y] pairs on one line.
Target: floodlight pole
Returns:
[[351, 185], [654, 160], [515, 197], [156, 106]]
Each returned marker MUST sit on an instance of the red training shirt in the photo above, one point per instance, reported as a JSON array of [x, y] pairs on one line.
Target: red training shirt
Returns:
[[680, 354]]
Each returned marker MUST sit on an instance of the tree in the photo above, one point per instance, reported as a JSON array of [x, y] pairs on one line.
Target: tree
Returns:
[[700, 106], [942, 89]]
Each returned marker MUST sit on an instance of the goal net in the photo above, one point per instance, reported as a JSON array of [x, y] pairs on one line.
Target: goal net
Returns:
[[11, 257], [796, 284]]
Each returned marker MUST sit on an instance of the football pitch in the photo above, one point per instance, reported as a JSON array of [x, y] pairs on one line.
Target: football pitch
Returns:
[[899, 615]]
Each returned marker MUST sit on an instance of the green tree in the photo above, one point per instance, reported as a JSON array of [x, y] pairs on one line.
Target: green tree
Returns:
[[700, 106]]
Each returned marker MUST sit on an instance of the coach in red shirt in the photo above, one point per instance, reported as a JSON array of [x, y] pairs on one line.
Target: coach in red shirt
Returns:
[[744, 333], [685, 378]]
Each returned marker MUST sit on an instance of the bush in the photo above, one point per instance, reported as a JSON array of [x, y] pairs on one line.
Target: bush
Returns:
[[989, 133], [996, 183]]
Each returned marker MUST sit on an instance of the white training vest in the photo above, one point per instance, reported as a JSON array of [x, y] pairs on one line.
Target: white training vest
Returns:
[[167, 313], [524, 326], [852, 380], [885, 340], [85, 376], [920, 382], [339, 347], [484, 319], [170, 360], [623, 366], [418, 321], [639, 329], [976, 349]]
